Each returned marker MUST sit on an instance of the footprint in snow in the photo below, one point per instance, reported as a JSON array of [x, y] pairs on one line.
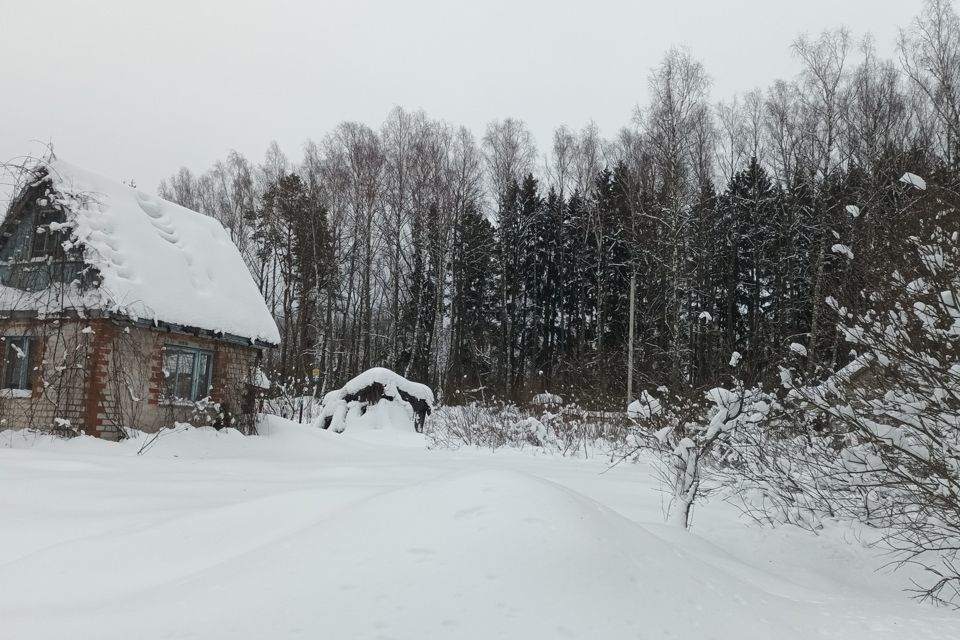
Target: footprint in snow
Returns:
[[468, 512], [151, 206]]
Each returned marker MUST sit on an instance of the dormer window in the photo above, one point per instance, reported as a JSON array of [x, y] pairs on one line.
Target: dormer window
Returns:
[[47, 238]]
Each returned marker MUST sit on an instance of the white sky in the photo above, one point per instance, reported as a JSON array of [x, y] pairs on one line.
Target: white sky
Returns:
[[136, 89]]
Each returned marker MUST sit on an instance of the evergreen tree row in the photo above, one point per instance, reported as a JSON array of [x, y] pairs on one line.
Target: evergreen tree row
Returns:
[[488, 270]]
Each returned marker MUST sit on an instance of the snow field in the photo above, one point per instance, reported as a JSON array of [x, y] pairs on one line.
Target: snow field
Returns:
[[304, 533]]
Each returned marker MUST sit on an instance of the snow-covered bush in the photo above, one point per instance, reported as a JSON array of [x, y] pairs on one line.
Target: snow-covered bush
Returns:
[[488, 426], [778, 467], [567, 430], [546, 399], [290, 398], [644, 407], [690, 438], [879, 440]]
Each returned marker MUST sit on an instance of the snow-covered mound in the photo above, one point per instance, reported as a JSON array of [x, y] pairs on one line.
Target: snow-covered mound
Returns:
[[644, 407], [160, 261], [376, 399]]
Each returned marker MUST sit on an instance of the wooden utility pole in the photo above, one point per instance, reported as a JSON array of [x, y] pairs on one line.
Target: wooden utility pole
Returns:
[[633, 296]]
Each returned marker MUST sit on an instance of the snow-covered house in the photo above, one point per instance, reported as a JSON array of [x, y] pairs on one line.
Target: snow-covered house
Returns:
[[119, 309]]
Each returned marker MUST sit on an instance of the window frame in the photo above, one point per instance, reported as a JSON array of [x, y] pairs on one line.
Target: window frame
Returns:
[[199, 388], [25, 382], [47, 243]]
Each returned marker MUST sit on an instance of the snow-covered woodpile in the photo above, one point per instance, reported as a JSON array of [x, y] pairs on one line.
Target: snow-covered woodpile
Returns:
[[377, 398]]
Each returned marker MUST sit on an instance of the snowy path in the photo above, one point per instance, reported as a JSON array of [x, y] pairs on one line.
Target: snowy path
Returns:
[[304, 534]]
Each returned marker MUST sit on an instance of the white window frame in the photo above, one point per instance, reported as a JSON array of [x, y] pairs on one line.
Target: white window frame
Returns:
[[25, 383], [199, 389]]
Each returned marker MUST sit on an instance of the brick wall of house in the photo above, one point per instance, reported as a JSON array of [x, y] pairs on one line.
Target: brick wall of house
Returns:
[[232, 375], [59, 360], [103, 376]]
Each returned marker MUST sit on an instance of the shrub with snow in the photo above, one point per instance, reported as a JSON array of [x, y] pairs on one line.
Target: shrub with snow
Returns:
[[566, 430], [878, 440], [690, 436], [546, 399], [644, 407]]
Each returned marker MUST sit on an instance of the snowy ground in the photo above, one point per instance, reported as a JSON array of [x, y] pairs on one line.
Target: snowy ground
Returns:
[[306, 534]]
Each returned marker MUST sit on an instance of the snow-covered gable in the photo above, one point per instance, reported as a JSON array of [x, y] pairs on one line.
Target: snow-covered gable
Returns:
[[159, 261]]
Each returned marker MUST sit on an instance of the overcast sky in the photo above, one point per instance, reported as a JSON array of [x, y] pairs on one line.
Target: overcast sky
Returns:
[[136, 89]]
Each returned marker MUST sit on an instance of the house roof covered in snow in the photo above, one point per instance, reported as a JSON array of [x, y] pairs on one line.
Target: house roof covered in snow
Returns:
[[159, 261]]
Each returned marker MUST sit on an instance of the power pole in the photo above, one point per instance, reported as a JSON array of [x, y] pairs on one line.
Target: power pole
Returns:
[[633, 296]]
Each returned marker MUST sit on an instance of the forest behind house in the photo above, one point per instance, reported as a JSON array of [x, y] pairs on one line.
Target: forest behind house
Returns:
[[488, 268]]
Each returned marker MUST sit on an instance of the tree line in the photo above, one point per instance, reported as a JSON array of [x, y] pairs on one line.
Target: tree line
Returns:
[[488, 269]]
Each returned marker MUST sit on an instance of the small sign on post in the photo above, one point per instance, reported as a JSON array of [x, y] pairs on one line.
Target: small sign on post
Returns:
[[316, 375]]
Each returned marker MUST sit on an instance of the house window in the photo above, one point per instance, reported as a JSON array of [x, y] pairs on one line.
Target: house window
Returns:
[[187, 373], [46, 241], [16, 363]]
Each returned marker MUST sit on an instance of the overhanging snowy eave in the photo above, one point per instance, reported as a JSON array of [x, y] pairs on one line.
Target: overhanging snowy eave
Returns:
[[73, 314], [197, 331]]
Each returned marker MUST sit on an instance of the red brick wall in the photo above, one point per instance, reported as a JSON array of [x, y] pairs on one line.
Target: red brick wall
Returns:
[[120, 382]]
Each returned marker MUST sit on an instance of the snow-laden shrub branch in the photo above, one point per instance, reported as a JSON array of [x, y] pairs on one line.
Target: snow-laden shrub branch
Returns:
[[690, 438], [879, 440]]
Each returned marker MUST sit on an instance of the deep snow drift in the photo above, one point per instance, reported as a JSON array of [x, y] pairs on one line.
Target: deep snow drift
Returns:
[[305, 533]]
